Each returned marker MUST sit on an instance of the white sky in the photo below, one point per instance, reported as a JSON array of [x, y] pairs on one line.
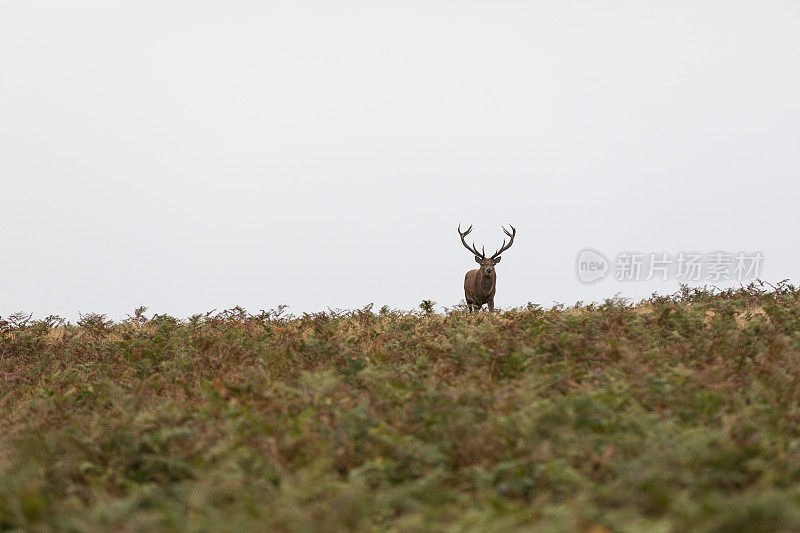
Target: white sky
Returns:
[[197, 155]]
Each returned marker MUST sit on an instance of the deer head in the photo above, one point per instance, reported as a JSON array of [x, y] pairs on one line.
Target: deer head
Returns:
[[487, 263]]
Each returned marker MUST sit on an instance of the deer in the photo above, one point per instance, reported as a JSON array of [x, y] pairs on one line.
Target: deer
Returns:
[[480, 284]]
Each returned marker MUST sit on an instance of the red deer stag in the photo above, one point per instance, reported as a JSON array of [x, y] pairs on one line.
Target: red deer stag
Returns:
[[479, 284]]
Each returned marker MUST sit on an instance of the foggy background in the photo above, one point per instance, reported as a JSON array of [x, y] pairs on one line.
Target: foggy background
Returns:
[[197, 155]]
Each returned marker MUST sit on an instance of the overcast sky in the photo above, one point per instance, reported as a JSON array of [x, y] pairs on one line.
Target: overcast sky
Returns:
[[191, 155]]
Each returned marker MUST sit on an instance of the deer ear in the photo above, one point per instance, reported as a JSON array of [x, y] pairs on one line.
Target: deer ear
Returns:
[[497, 259], [477, 259]]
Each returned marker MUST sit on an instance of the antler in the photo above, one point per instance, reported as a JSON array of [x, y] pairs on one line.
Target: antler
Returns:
[[506, 246], [471, 249]]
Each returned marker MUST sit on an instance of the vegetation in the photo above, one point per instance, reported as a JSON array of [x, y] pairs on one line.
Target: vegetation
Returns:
[[677, 413]]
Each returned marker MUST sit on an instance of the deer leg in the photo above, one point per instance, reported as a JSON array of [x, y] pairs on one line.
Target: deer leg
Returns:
[[491, 305]]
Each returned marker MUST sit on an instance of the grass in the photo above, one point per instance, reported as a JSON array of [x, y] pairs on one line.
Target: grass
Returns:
[[677, 413]]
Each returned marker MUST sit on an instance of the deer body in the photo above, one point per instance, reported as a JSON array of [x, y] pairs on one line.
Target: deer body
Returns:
[[479, 289], [480, 284]]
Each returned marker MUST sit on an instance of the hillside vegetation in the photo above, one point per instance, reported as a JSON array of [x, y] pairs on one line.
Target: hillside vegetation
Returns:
[[672, 414]]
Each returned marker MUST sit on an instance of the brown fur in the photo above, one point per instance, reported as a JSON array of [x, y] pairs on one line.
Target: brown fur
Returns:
[[480, 285]]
